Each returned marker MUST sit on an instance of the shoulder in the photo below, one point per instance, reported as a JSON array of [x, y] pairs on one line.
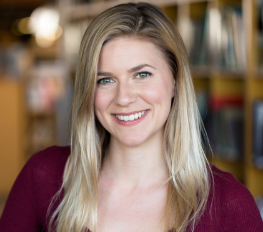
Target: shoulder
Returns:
[[46, 168], [52, 154], [52, 158], [229, 191], [38, 182], [233, 205], [45, 174], [47, 163], [226, 184]]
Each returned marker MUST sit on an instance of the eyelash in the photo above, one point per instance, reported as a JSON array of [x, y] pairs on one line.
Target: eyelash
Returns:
[[147, 73], [99, 82]]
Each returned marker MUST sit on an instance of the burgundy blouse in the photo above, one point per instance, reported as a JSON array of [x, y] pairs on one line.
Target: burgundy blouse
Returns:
[[231, 207]]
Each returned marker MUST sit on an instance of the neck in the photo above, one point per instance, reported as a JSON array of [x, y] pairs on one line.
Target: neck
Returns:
[[137, 167]]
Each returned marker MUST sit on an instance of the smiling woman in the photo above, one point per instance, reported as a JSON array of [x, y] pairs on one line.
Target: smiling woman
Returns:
[[136, 161]]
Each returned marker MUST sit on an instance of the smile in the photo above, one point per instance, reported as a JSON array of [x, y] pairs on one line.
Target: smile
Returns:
[[131, 117]]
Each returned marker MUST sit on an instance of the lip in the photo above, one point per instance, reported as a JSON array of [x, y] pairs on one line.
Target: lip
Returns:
[[130, 123]]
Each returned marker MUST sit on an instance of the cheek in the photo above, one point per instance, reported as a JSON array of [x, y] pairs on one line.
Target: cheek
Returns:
[[159, 92], [160, 96], [100, 102]]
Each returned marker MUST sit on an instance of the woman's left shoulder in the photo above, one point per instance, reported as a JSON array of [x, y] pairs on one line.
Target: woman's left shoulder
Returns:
[[234, 206], [227, 186]]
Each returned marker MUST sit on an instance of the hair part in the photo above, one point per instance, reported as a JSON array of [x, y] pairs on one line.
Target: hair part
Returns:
[[188, 184]]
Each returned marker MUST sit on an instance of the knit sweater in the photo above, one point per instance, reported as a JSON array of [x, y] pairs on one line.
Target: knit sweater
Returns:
[[230, 206]]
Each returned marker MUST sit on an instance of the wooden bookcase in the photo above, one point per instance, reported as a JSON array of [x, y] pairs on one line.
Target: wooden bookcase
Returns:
[[12, 131], [216, 81], [253, 91]]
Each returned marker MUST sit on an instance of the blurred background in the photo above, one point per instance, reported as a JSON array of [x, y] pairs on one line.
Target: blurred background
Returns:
[[39, 41]]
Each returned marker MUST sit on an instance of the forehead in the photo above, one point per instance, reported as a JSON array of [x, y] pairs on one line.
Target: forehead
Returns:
[[129, 51]]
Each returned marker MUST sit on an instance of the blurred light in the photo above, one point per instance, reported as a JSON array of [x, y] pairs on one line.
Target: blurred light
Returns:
[[215, 27], [47, 42], [58, 32], [14, 28], [44, 23], [43, 42], [72, 39], [23, 26]]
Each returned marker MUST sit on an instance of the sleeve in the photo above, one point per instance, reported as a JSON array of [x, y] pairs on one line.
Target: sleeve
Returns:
[[20, 212], [237, 207]]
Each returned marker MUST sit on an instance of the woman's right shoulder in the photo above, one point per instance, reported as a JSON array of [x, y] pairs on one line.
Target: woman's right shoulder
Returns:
[[36, 185], [48, 163], [54, 156]]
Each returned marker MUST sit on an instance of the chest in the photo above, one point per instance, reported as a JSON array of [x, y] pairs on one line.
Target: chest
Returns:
[[120, 211]]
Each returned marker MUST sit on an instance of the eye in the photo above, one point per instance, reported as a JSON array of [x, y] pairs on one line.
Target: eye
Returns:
[[105, 81], [143, 75]]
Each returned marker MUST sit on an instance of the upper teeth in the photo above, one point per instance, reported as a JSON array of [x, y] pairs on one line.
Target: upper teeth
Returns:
[[130, 117]]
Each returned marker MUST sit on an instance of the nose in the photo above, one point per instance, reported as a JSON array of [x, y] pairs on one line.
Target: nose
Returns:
[[125, 94]]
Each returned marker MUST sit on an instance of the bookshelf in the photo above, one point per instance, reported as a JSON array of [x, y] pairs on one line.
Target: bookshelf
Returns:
[[12, 129], [23, 131], [253, 91], [31, 106], [217, 76]]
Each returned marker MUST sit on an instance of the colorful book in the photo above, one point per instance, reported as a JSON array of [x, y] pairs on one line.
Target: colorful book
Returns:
[[225, 127]]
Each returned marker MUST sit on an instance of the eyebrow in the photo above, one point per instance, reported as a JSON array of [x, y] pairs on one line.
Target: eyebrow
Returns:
[[139, 67], [104, 74], [134, 69]]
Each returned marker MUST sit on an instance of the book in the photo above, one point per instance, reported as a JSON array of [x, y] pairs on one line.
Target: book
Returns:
[[258, 133], [227, 38], [198, 49], [225, 127], [259, 34], [232, 39], [202, 102]]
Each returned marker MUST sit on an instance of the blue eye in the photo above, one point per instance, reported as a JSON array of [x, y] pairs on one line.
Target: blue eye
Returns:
[[142, 75], [105, 81]]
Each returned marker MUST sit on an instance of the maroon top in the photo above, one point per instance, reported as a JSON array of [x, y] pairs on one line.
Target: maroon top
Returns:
[[231, 208]]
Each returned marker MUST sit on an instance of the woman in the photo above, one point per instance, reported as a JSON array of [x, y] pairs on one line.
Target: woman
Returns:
[[136, 161]]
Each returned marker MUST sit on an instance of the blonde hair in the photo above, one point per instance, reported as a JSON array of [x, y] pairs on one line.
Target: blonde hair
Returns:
[[188, 185]]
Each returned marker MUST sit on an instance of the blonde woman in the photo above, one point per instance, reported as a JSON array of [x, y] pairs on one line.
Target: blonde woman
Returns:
[[136, 161]]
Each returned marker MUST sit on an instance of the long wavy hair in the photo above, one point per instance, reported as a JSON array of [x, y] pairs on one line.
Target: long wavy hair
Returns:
[[188, 183]]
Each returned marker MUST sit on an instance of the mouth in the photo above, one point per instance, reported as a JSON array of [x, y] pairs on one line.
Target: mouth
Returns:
[[130, 117]]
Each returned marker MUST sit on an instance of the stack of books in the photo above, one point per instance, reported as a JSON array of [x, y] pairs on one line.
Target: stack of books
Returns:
[[225, 127]]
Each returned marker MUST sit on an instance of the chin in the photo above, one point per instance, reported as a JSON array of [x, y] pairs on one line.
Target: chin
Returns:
[[131, 143], [134, 141]]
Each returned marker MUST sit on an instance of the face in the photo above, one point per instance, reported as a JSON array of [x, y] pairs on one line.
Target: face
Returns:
[[134, 90]]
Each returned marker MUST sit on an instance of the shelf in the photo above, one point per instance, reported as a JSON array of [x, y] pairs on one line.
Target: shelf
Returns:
[[236, 168], [259, 73], [12, 131], [33, 115], [200, 71], [254, 180], [225, 73], [91, 10], [207, 71]]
